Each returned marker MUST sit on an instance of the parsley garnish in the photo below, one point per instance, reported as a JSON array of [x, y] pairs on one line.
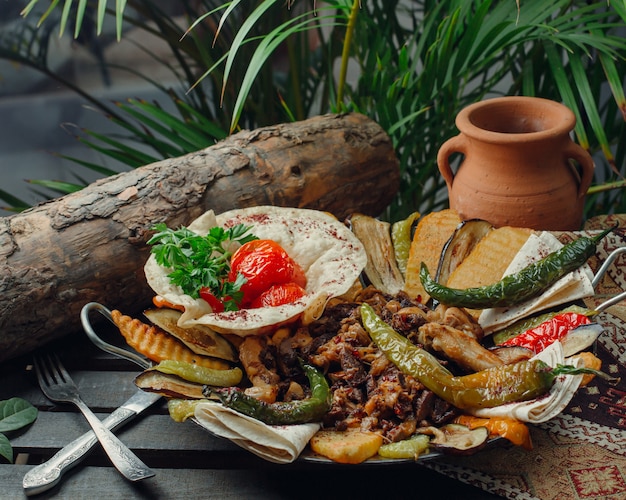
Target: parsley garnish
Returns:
[[201, 261]]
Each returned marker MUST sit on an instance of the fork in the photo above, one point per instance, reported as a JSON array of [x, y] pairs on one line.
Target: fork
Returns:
[[57, 385]]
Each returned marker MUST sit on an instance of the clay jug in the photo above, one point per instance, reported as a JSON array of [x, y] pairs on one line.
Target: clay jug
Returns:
[[516, 168]]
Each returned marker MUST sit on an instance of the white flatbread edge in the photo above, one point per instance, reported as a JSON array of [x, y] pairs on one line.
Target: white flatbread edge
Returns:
[[544, 407], [328, 252], [275, 443], [571, 287]]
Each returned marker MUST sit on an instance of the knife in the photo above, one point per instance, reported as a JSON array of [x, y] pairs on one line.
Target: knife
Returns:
[[46, 475]]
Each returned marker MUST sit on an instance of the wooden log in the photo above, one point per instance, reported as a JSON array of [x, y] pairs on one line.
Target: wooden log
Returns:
[[91, 245]]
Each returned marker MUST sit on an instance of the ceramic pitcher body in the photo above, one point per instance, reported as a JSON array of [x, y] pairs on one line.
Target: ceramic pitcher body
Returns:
[[516, 168]]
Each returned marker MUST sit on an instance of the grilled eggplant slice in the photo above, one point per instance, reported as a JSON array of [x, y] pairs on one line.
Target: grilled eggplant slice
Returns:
[[200, 339], [381, 269], [457, 439], [581, 338], [512, 354], [167, 385], [178, 379], [459, 246]]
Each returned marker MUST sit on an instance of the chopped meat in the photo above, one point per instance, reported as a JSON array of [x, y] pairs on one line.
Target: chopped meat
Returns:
[[456, 318], [260, 368], [368, 391], [408, 319], [458, 346]]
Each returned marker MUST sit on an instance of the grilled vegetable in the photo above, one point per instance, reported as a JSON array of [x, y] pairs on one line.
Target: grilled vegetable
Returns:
[[412, 447], [346, 447], [158, 345], [401, 238], [431, 234], [484, 389], [263, 263], [580, 338], [181, 409], [381, 269], [544, 334], [516, 288], [457, 439], [459, 246], [200, 374], [167, 385], [510, 429], [311, 409], [179, 379], [510, 355], [527, 323], [199, 338]]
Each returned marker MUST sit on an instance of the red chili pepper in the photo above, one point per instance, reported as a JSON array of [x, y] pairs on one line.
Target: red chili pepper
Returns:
[[541, 336]]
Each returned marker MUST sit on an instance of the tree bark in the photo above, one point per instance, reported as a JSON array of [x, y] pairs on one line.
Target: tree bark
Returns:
[[91, 245]]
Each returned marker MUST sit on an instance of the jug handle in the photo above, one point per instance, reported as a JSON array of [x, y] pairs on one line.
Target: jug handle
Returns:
[[575, 152], [456, 144]]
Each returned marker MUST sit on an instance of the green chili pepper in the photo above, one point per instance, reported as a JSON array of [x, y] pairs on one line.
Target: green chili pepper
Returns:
[[401, 238], [200, 374], [516, 288], [412, 447], [484, 389], [311, 409], [182, 409]]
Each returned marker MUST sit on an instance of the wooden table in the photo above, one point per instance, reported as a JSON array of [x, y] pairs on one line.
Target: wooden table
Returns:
[[189, 462]]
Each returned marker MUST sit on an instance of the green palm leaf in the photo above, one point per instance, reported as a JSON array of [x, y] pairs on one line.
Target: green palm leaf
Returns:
[[80, 6]]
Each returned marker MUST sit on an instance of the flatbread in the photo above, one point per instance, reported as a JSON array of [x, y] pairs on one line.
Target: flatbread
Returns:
[[276, 443], [330, 255], [571, 287], [544, 407]]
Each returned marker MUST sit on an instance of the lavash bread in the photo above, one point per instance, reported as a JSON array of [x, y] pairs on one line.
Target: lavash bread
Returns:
[[331, 256], [431, 234]]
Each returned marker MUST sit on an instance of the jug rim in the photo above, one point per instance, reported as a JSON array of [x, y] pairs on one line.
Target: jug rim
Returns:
[[515, 118]]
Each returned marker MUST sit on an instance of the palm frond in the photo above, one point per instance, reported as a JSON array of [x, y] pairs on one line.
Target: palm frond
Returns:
[[73, 11], [417, 64]]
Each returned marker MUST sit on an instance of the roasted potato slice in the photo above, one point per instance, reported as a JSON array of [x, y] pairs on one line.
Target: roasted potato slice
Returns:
[[346, 447]]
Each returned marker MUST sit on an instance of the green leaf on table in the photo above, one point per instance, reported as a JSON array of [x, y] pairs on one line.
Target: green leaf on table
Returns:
[[16, 413], [5, 448]]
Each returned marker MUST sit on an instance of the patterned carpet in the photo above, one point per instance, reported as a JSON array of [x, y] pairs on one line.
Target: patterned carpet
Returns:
[[581, 454]]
